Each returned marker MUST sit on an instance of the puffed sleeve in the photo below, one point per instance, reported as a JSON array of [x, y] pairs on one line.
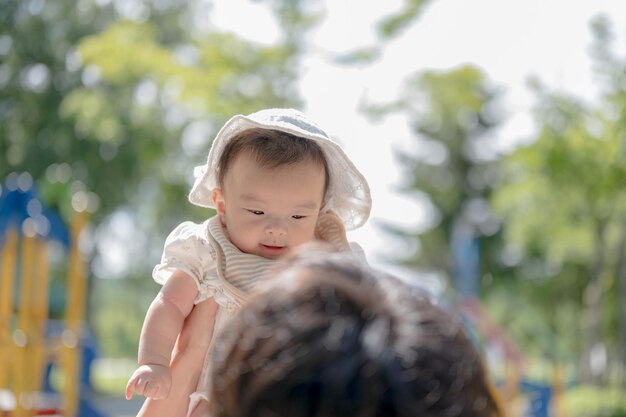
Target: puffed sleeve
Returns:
[[358, 252], [187, 249]]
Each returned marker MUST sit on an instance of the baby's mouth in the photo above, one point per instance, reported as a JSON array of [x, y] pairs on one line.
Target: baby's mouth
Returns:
[[272, 247], [273, 250]]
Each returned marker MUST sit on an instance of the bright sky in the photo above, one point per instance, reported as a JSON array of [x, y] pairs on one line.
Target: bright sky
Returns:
[[510, 40]]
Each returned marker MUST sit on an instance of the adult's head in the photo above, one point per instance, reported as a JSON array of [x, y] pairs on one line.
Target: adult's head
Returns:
[[328, 337]]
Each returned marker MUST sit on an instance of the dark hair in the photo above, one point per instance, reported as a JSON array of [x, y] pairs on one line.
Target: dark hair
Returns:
[[325, 339], [272, 149]]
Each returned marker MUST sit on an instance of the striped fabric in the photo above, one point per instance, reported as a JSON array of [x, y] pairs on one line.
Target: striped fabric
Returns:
[[241, 270]]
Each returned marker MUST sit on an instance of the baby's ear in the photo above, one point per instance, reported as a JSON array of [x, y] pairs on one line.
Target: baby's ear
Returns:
[[217, 197]]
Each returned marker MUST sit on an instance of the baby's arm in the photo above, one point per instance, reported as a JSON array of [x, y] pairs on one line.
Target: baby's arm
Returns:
[[164, 321]]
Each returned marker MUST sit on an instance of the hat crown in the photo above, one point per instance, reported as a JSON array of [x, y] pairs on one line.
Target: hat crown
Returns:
[[282, 117]]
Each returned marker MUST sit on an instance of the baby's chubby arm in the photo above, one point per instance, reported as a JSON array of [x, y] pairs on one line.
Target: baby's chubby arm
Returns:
[[164, 321]]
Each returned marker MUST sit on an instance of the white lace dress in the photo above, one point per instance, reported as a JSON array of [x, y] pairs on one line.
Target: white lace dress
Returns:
[[219, 269]]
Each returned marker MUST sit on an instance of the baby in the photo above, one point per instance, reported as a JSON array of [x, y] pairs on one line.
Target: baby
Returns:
[[276, 181]]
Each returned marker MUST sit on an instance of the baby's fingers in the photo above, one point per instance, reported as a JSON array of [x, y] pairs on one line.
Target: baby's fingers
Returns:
[[138, 384], [150, 381], [155, 391], [130, 387], [142, 385]]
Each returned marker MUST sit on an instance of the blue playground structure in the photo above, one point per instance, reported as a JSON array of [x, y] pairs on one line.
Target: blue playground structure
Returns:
[[33, 346]]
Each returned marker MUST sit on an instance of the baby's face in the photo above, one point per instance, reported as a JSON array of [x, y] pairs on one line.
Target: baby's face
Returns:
[[267, 211]]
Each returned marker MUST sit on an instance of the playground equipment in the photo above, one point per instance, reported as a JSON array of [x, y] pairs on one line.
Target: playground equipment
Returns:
[[522, 397], [28, 343]]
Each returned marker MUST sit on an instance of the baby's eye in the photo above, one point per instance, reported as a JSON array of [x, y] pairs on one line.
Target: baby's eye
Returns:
[[256, 212], [297, 217]]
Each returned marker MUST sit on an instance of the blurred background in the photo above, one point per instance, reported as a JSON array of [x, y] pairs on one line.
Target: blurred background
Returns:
[[493, 134]]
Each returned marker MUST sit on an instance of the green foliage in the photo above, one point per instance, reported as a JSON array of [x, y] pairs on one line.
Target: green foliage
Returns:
[[560, 201], [38, 73], [563, 200], [117, 314], [113, 386], [392, 25], [365, 55], [451, 116], [75, 97], [565, 182], [227, 76], [526, 325], [388, 27], [588, 401]]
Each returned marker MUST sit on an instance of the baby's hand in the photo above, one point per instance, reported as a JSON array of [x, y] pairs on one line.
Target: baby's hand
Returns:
[[152, 381]]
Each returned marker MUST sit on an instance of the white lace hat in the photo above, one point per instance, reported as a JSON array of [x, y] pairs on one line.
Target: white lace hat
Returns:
[[348, 193]]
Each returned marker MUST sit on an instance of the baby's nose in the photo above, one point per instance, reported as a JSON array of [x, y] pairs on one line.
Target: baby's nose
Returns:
[[276, 229]]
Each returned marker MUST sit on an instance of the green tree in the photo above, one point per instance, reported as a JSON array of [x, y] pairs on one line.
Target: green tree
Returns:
[[388, 27], [95, 97], [36, 70], [452, 114], [563, 198]]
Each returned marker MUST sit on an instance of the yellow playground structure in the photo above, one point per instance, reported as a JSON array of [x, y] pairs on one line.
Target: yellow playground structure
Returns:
[[27, 346]]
